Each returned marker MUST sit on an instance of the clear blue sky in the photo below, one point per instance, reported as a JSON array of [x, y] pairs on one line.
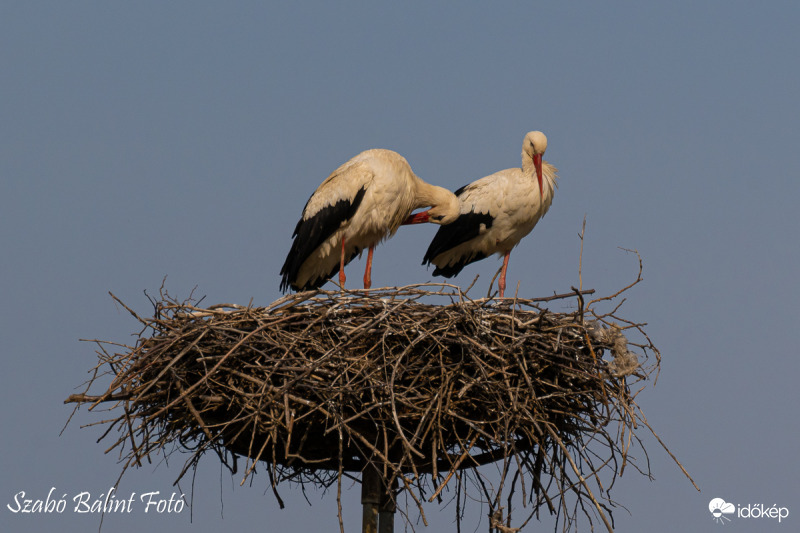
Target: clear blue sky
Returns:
[[147, 139]]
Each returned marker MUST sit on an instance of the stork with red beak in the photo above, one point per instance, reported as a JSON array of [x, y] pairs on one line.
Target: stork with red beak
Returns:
[[496, 212], [361, 203]]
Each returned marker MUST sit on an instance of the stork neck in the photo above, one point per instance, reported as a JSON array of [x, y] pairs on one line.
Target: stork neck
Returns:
[[429, 195], [528, 168]]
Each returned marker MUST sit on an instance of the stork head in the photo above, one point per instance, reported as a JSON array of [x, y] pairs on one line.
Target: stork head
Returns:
[[533, 148], [446, 210], [445, 207]]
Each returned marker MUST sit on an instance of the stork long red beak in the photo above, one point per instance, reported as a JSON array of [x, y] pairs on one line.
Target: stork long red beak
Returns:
[[537, 162], [418, 218]]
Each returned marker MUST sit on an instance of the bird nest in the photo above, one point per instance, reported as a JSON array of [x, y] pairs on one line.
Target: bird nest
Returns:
[[423, 383]]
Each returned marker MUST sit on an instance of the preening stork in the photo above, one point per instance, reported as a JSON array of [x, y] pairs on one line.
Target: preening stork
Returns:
[[496, 212], [361, 203]]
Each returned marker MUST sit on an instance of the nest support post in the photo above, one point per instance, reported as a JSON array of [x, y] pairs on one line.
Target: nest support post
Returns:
[[377, 501], [387, 508], [370, 498]]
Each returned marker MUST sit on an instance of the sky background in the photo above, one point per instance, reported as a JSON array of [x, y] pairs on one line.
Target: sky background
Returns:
[[140, 140]]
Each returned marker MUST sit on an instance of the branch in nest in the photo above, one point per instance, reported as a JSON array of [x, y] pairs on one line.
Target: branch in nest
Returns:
[[421, 381]]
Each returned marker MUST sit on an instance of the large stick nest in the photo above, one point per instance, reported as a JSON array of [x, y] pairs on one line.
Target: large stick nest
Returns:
[[422, 382]]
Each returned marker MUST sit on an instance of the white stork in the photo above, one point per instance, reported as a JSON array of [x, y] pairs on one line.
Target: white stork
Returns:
[[496, 213], [361, 203]]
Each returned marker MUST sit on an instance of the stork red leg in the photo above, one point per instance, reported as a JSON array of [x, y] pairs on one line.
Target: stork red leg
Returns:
[[368, 270], [342, 277], [502, 282]]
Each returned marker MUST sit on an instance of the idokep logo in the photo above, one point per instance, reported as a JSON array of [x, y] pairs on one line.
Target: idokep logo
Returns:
[[719, 508], [722, 511]]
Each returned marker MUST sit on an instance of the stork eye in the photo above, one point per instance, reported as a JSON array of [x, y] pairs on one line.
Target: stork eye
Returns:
[[439, 217]]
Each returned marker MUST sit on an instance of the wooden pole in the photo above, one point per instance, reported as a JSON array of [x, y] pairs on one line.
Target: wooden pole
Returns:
[[370, 498], [386, 509]]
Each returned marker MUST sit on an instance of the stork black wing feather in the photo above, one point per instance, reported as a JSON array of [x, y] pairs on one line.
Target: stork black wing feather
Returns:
[[467, 226], [462, 189], [310, 233]]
